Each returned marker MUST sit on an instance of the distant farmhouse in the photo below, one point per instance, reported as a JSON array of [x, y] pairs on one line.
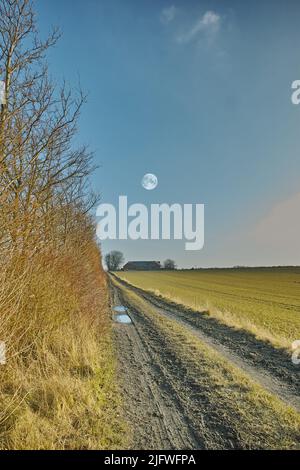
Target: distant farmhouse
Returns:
[[142, 266]]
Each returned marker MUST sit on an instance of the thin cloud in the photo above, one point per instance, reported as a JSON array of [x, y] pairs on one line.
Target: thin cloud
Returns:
[[208, 24], [168, 14], [280, 229]]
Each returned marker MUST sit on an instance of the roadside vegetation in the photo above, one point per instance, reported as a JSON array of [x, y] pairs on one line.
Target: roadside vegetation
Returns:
[[264, 301], [240, 410], [57, 380]]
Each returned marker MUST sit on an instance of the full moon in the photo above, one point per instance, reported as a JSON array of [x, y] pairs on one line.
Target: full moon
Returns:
[[149, 181]]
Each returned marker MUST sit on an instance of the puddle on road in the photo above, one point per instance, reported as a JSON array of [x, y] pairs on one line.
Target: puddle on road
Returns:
[[122, 318], [120, 309], [121, 315]]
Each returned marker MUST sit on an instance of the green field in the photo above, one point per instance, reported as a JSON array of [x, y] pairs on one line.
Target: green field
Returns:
[[264, 301]]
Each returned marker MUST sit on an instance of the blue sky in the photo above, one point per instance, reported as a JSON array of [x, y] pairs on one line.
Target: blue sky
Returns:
[[199, 93]]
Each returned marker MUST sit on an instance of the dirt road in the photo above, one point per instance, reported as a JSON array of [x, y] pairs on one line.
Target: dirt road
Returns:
[[157, 417], [162, 400]]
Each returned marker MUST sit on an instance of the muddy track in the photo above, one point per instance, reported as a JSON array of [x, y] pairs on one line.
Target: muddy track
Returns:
[[162, 400], [158, 418], [272, 368]]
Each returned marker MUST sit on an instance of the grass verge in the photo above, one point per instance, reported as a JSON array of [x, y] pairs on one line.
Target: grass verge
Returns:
[[58, 387]]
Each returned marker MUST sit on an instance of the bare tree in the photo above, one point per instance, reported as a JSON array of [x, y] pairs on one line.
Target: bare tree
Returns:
[[169, 264], [113, 260], [39, 168]]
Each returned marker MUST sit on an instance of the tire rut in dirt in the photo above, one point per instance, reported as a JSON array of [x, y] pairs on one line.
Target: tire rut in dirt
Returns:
[[153, 373], [151, 407], [272, 367]]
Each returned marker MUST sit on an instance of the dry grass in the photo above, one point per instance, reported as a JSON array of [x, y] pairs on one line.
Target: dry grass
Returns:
[[265, 302], [57, 389]]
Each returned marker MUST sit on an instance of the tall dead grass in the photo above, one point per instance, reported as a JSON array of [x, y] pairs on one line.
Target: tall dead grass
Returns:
[[57, 389]]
